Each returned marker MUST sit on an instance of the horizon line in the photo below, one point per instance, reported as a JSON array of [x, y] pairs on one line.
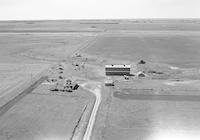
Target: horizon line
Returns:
[[100, 19]]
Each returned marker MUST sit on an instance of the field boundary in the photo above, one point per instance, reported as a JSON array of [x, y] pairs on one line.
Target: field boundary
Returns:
[[13, 93], [80, 128]]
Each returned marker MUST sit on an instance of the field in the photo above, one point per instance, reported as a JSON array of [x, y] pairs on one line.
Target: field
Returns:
[[100, 25], [159, 47], [24, 57], [151, 108], [29, 47], [152, 119], [41, 116], [13, 75]]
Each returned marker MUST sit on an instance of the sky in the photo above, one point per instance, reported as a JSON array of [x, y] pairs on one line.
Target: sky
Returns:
[[97, 9]]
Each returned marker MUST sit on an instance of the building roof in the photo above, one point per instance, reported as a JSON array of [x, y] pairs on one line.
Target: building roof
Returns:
[[117, 66], [108, 81]]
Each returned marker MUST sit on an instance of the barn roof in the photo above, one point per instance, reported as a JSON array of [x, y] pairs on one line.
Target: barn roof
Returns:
[[117, 66]]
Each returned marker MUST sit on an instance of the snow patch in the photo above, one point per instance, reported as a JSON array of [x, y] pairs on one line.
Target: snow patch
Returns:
[[174, 68], [174, 83]]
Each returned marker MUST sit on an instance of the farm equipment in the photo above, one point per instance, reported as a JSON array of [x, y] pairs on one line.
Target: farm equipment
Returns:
[[65, 86], [126, 77]]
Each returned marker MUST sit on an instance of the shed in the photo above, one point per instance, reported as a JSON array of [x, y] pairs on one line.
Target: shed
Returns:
[[140, 74], [109, 82]]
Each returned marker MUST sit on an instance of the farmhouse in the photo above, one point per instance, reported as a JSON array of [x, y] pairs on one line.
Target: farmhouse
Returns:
[[120, 70]]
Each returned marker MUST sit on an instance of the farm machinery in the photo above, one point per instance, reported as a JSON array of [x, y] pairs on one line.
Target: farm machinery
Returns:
[[66, 85]]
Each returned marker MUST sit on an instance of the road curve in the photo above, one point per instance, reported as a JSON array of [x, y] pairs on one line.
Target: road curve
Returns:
[[95, 88]]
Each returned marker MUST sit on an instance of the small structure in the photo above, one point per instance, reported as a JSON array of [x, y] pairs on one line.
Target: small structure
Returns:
[[68, 81], [140, 74], [117, 70], [68, 85], [109, 82], [142, 62], [60, 77]]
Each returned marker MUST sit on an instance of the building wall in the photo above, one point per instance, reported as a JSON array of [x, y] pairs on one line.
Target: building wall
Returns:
[[119, 73], [117, 69]]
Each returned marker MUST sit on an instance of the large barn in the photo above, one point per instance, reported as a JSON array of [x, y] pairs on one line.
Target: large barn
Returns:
[[120, 70]]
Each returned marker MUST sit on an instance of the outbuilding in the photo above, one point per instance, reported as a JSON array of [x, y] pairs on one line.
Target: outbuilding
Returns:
[[141, 74], [109, 82]]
